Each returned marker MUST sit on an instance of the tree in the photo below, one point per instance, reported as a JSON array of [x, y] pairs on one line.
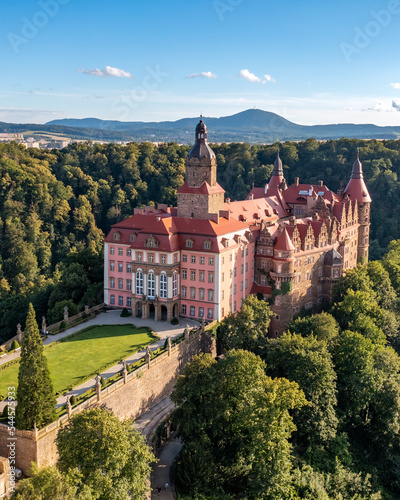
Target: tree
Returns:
[[235, 421], [35, 393], [245, 329], [112, 458], [323, 326], [49, 482], [308, 362]]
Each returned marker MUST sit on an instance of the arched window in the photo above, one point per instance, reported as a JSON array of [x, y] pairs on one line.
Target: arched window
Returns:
[[175, 284], [163, 286], [151, 286], [139, 283]]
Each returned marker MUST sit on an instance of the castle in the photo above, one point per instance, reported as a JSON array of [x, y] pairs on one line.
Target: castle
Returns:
[[203, 258]]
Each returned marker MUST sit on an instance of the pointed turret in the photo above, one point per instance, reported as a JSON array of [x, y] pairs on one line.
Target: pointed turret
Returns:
[[356, 188], [284, 243], [277, 177]]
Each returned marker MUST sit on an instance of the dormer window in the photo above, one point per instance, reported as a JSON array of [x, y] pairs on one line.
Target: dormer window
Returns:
[[189, 243], [151, 242], [117, 236], [207, 245], [132, 237]]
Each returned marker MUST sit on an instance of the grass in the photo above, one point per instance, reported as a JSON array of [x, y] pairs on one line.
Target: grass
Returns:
[[76, 358]]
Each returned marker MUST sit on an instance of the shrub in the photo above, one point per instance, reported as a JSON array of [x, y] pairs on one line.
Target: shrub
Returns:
[[57, 312], [73, 400], [14, 345], [166, 344], [125, 313], [102, 381], [63, 326], [175, 321]]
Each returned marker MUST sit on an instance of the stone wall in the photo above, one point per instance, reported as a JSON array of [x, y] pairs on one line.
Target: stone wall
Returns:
[[127, 398]]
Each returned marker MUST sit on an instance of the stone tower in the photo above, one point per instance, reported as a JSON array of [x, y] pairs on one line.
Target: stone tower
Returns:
[[201, 195], [356, 190], [277, 182]]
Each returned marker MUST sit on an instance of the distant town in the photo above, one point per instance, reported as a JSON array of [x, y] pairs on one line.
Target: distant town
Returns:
[[29, 141]]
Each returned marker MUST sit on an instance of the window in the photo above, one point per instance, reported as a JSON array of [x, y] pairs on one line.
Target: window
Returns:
[[210, 295], [263, 281], [202, 260], [184, 258], [247, 266], [211, 261], [192, 311], [139, 283], [175, 284], [242, 252], [192, 292], [184, 309], [193, 275], [234, 306], [129, 284], [309, 291], [175, 258], [184, 274], [193, 259], [264, 264], [112, 250], [112, 282], [121, 284], [201, 276], [241, 286], [129, 252], [234, 289], [120, 251], [151, 257], [241, 269], [129, 301], [116, 236], [247, 251], [151, 286], [201, 293], [139, 256], [223, 260], [120, 267], [222, 295], [112, 266], [184, 292], [189, 244], [120, 300], [201, 312], [211, 277], [163, 259], [132, 237], [112, 299], [207, 245], [223, 312], [234, 271], [163, 286], [245, 283], [129, 268], [222, 276], [230, 273]]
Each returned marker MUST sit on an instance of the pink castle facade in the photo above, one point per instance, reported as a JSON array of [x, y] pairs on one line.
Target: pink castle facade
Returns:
[[201, 259]]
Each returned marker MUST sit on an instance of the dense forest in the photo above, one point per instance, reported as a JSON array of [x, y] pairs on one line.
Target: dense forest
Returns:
[[312, 415], [56, 206]]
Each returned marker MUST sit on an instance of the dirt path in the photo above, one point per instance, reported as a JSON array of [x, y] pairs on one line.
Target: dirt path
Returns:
[[162, 470]]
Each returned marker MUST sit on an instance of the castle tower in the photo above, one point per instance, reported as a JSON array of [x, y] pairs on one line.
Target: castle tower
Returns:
[[277, 181], [200, 195], [356, 190]]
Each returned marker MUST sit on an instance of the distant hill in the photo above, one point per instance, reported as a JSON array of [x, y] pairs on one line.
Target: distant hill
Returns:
[[252, 126]]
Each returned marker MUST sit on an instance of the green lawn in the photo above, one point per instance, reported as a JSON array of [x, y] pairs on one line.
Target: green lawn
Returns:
[[74, 359]]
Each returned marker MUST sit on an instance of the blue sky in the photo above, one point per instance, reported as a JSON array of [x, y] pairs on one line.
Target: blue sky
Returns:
[[311, 62]]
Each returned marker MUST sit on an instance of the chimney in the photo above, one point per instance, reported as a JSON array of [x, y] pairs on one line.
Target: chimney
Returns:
[[296, 182], [320, 183], [252, 196], [265, 188], [228, 200]]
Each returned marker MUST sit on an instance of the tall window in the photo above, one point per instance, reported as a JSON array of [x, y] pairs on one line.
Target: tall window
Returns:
[[201, 312], [210, 295], [129, 252], [201, 293], [129, 268], [120, 267], [184, 309], [112, 299], [193, 259], [112, 250], [192, 293], [184, 291], [112, 282], [120, 251], [120, 300], [163, 286], [151, 257], [112, 266], [129, 284], [129, 301], [175, 284], [139, 283], [121, 284], [211, 277], [210, 313], [151, 286], [163, 259]]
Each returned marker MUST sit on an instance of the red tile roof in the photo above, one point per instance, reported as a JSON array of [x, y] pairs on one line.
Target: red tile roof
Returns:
[[284, 242], [205, 188]]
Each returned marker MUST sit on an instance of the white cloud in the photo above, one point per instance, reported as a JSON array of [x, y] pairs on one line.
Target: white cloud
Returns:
[[245, 73], [251, 77], [268, 78], [380, 107], [395, 85], [109, 71], [348, 108], [396, 105], [204, 74]]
